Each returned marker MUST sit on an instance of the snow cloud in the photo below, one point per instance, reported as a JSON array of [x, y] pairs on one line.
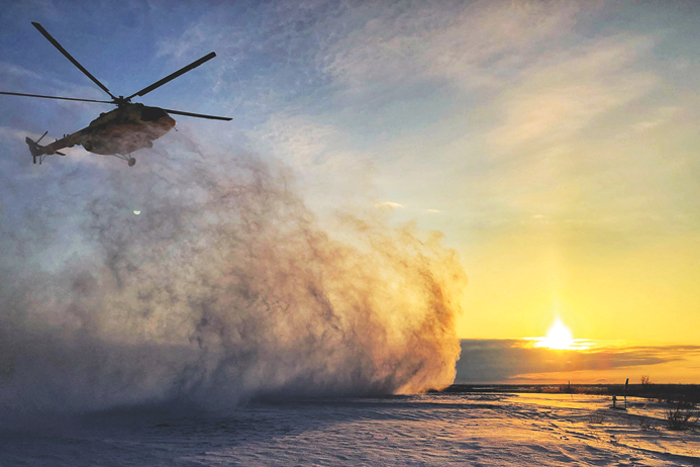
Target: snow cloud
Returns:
[[222, 289]]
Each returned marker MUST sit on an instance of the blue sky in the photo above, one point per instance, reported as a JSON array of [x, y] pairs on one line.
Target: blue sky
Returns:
[[554, 144]]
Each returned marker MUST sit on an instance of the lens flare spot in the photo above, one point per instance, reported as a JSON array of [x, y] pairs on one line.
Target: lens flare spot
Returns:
[[137, 212]]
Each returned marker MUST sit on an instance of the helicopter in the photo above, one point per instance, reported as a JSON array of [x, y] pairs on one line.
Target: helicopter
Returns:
[[119, 132]]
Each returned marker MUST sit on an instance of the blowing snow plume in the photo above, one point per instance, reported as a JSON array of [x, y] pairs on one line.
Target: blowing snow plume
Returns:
[[223, 288]]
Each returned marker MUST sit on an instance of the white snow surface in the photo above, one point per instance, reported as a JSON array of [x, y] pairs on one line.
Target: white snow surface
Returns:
[[416, 430]]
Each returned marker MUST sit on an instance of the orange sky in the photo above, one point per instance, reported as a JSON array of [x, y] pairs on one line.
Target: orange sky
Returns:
[[555, 146], [645, 293]]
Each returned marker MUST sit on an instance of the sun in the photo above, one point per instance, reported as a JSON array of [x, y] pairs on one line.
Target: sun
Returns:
[[559, 337]]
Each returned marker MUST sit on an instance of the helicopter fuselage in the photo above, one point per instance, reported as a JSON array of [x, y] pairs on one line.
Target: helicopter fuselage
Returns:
[[124, 130]]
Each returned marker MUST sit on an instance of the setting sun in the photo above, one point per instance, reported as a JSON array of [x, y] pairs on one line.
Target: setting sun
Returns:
[[559, 337]]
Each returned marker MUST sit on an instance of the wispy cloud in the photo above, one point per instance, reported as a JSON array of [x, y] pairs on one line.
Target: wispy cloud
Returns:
[[390, 204], [656, 118], [470, 46], [555, 102], [12, 70], [8, 133], [531, 97], [329, 171]]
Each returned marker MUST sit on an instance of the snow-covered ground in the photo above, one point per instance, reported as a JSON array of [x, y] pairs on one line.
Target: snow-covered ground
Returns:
[[423, 430]]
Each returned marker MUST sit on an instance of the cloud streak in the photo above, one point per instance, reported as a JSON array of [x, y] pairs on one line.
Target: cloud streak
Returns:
[[488, 361], [468, 45]]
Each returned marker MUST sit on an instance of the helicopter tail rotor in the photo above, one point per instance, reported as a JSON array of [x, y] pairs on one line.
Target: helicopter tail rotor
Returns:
[[34, 148]]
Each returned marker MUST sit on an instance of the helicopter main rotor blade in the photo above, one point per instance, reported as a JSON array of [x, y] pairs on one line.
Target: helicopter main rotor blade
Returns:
[[69, 57], [54, 97], [190, 114], [171, 77]]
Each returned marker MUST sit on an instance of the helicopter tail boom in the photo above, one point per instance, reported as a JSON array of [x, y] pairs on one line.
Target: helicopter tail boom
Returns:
[[40, 152]]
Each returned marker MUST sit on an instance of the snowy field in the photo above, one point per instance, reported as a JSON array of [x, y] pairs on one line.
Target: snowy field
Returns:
[[420, 430]]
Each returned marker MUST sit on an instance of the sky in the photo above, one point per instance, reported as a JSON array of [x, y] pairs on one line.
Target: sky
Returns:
[[553, 144]]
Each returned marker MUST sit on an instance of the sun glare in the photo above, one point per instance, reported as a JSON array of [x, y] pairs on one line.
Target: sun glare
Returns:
[[559, 337]]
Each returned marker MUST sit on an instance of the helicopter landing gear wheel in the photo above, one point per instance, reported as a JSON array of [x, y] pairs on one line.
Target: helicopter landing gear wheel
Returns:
[[126, 157]]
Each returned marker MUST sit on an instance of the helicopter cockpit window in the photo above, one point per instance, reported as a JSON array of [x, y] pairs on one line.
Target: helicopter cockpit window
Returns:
[[152, 114]]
